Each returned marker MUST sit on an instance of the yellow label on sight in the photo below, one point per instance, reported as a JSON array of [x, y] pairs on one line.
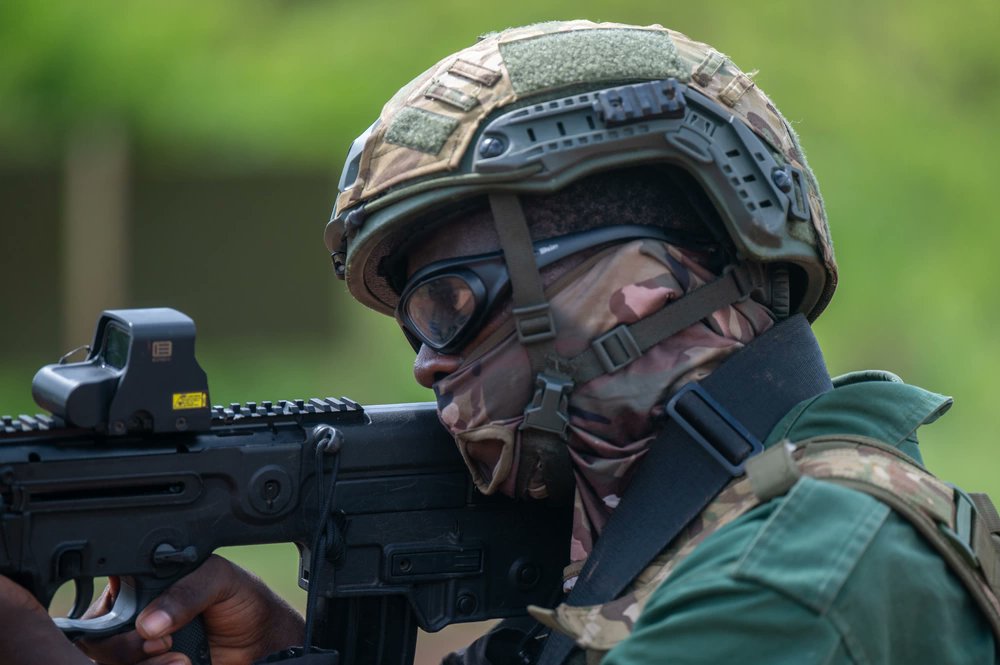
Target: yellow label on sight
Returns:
[[190, 401]]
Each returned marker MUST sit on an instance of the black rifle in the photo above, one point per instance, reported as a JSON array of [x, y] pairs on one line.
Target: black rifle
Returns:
[[136, 475]]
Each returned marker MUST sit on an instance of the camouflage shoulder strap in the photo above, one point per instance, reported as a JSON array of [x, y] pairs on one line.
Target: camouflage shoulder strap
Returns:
[[964, 529]]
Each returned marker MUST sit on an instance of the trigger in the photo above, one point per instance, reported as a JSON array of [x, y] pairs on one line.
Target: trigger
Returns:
[[84, 596]]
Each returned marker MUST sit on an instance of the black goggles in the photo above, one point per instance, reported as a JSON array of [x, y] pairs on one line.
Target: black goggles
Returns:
[[444, 304]]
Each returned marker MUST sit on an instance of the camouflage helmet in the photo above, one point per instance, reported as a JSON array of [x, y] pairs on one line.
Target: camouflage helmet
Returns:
[[531, 109]]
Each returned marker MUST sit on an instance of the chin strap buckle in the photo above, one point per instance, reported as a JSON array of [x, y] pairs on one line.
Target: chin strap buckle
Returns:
[[549, 408]]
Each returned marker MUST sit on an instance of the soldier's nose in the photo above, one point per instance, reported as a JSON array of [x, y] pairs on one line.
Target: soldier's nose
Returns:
[[431, 366]]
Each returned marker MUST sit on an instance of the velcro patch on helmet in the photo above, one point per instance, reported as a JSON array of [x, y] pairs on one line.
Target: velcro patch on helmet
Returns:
[[559, 59], [420, 130]]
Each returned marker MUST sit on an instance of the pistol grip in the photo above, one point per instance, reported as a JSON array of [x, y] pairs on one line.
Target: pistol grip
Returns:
[[133, 596], [192, 641]]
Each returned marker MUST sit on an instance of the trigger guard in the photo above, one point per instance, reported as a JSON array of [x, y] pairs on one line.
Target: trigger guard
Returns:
[[120, 619]]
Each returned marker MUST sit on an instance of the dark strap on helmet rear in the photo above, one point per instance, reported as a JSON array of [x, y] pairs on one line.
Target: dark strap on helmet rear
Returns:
[[713, 428]]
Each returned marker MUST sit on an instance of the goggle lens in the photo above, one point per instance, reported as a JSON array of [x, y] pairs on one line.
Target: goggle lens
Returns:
[[444, 303], [440, 308]]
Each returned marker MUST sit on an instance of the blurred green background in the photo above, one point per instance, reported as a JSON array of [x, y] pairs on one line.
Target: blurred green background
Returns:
[[185, 154]]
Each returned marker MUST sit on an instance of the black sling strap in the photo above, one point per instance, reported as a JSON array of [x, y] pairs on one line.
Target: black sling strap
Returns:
[[713, 428]]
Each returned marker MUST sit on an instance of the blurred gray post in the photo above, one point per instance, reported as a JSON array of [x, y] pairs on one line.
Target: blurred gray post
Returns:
[[95, 234]]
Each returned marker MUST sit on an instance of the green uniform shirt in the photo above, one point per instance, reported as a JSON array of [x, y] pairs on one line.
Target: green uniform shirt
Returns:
[[824, 574]]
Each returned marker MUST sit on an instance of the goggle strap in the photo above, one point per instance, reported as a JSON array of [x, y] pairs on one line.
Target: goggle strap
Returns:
[[532, 315], [621, 345]]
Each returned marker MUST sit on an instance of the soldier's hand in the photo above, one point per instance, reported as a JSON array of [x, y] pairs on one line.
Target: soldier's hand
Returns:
[[27, 634], [244, 620]]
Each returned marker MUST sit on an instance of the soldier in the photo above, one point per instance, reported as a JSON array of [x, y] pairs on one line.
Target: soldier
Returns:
[[605, 244]]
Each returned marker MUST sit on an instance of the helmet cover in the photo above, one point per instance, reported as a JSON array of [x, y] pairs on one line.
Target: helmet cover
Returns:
[[531, 109]]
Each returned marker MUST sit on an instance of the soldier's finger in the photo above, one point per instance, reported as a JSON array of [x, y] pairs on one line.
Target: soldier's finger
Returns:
[[186, 599], [105, 601], [123, 649], [167, 659]]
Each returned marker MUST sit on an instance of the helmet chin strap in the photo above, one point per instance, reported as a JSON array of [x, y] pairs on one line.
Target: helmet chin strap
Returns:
[[545, 456], [545, 428]]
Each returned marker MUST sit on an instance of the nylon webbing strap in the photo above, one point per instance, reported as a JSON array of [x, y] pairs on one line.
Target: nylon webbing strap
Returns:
[[986, 539], [678, 477], [621, 345], [545, 418], [532, 316]]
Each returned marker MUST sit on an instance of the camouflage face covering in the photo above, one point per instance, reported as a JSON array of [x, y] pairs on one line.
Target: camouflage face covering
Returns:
[[612, 418]]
